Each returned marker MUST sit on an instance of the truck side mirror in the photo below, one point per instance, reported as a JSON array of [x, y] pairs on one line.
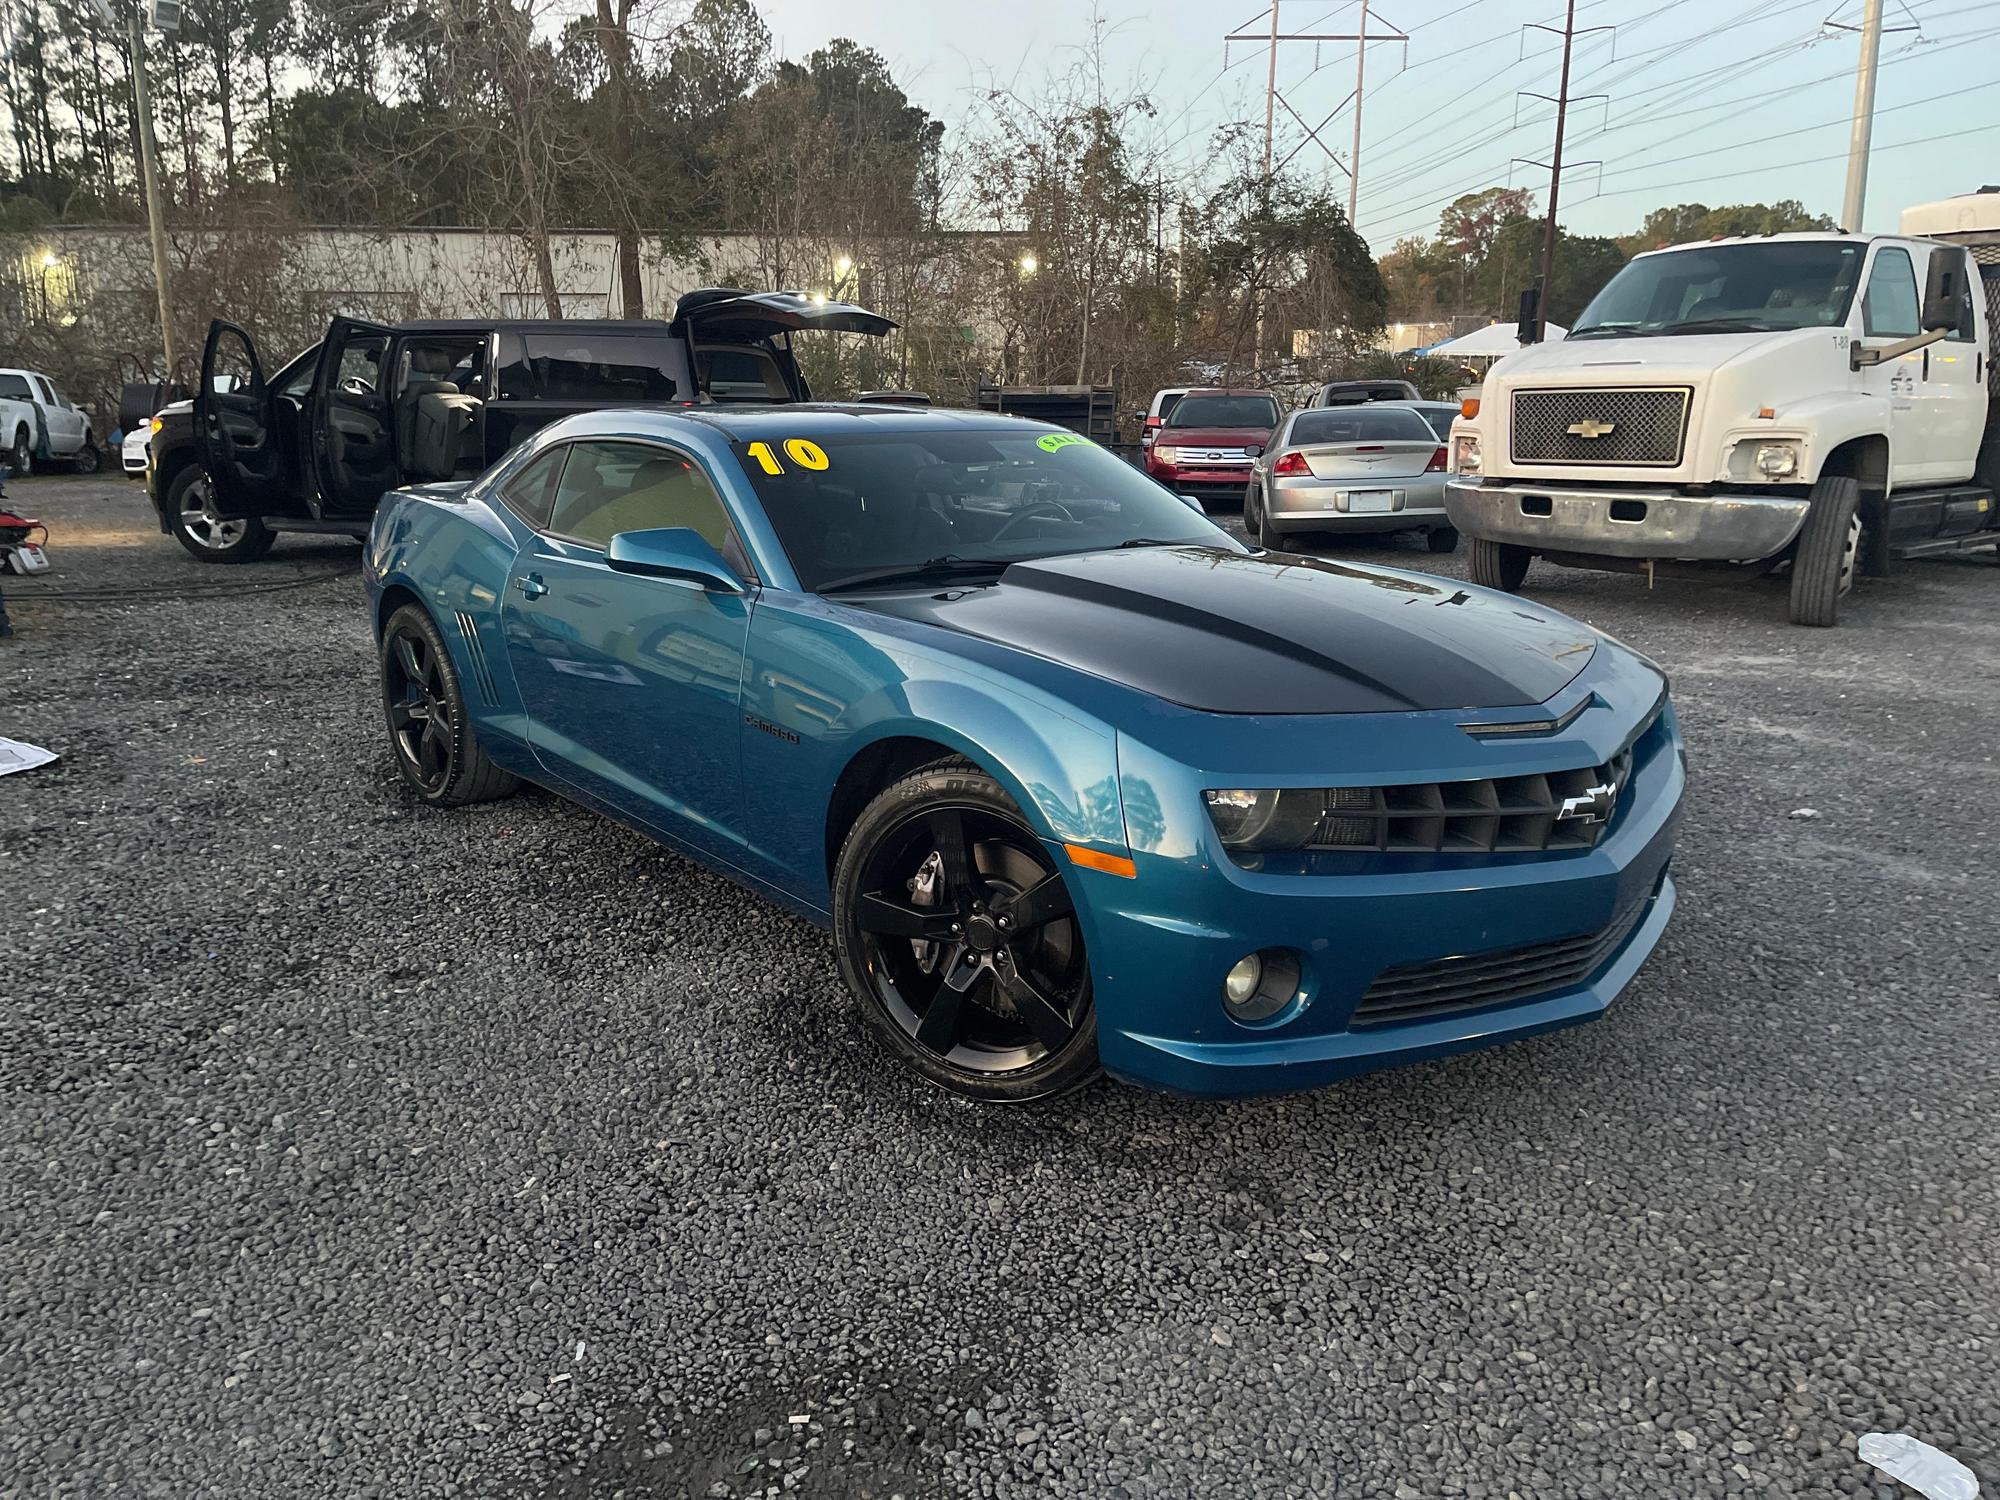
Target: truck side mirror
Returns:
[[1528, 325], [1944, 290]]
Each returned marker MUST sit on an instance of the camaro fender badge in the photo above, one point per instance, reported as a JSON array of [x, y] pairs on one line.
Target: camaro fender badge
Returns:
[[777, 731], [1594, 806], [1590, 427]]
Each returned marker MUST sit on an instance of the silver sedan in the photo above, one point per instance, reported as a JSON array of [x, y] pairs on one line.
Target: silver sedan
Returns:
[[1350, 468]]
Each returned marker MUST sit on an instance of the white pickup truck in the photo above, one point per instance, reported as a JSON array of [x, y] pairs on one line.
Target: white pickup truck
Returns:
[[1822, 401], [40, 425]]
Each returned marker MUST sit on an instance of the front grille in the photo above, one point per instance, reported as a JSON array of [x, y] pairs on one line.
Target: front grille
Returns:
[[1644, 426], [1198, 456], [1504, 815], [1420, 992]]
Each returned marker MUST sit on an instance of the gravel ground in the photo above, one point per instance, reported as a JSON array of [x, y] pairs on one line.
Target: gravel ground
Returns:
[[355, 1149]]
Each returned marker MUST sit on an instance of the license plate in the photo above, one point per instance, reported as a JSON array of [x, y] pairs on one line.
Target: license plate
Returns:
[[1368, 502]]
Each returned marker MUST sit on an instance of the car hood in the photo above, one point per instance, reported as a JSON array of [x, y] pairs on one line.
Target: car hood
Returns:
[[1212, 437], [1269, 633], [1680, 357]]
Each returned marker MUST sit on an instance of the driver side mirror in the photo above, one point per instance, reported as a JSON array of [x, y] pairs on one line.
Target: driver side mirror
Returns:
[[1528, 323], [1944, 291], [676, 552]]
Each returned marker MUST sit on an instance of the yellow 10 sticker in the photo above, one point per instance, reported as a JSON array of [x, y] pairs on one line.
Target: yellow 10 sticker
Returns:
[[802, 451]]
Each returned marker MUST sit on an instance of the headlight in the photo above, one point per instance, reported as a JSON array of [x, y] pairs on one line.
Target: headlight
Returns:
[[1465, 455], [1166, 453], [1269, 818], [1778, 460]]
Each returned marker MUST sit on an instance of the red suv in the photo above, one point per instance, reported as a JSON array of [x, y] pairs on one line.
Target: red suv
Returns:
[[1209, 440]]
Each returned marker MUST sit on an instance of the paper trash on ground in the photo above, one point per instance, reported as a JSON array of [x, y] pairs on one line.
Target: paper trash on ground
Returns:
[[16, 756]]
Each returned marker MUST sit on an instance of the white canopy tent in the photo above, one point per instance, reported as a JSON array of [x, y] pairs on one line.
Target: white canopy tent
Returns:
[[1490, 342]]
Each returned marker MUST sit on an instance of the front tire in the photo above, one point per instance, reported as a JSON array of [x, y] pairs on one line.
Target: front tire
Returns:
[[430, 731], [955, 932], [88, 460], [1829, 551], [1497, 565], [197, 528]]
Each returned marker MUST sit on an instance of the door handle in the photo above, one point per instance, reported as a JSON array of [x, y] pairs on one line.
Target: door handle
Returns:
[[531, 585]]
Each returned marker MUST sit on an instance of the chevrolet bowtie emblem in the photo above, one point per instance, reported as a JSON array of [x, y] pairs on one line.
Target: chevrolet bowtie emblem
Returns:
[[1590, 427]]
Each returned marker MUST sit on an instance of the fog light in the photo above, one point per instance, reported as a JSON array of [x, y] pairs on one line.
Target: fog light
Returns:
[[1241, 982], [1777, 460], [1261, 985]]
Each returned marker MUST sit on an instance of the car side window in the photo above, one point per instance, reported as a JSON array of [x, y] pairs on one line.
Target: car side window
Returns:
[[48, 396], [531, 492], [1889, 310], [16, 388], [607, 488]]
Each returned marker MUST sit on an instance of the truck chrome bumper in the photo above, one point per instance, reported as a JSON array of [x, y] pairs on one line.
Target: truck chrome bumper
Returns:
[[1648, 523]]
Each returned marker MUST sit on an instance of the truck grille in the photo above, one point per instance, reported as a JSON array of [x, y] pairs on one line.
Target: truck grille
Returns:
[[1633, 426], [1421, 992], [1506, 815]]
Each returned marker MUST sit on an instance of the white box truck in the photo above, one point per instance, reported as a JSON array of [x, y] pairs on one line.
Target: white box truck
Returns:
[[1823, 402]]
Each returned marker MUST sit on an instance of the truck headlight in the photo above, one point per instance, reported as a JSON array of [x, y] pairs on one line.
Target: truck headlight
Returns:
[[1465, 454], [1777, 460], [1166, 453]]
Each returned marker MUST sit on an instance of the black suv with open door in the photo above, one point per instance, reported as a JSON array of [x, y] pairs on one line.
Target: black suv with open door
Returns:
[[315, 444]]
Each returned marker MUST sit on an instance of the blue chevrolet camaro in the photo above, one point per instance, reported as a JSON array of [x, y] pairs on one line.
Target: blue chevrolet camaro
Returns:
[[1077, 780]]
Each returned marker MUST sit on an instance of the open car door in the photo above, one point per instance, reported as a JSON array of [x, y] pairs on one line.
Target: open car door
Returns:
[[715, 316], [232, 424], [352, 421]]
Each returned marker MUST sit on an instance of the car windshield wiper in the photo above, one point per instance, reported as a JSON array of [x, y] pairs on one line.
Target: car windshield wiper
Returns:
[[948, 566], [1718, 325], [1603, 330], [1152, 541]]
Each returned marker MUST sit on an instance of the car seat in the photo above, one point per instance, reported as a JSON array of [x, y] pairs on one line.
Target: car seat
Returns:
[[432, 416]]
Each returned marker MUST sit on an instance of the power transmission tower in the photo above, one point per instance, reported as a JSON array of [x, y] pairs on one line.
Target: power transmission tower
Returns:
[[1273, 97]]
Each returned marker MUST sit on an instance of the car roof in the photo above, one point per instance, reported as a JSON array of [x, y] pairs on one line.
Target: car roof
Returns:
[[800, 419], [531, 325], [1218, 390]]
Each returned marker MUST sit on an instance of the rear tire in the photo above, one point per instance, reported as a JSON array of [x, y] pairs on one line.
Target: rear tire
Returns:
[[1443, 539], [955, 932], [430, 730], [1497, 565], [21, 457], [197, 528], [1829, 551]]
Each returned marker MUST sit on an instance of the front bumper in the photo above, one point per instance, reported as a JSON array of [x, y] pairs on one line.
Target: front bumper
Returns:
[[1208, 483], [1621, 522], [1161, 944]]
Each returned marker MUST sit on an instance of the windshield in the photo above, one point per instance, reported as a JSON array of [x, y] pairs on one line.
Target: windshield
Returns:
[[1754, 288], [1359, 424], [868, 507], [1225, 411]]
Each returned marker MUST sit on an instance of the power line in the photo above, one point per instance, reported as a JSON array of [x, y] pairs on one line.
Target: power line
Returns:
[[1807, 161]]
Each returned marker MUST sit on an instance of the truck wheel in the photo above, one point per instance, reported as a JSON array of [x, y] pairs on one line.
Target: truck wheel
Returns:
[[21, 457], [88, 460], [1497, 565], [1829, 551], [205, 535]]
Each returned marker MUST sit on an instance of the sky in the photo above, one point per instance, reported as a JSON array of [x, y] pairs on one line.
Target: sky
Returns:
[[1710, 101]]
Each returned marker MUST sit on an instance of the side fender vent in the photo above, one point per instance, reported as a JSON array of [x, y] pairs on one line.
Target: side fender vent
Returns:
[[475, 651]]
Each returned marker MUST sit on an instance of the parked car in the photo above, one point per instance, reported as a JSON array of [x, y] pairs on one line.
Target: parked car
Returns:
[[133, 452], [1378, 467], [39, 425], [1440, 415], [1360, 392], [1818, 402], [1075, 779], [1156, 413], [314, 445], [1206, 445]]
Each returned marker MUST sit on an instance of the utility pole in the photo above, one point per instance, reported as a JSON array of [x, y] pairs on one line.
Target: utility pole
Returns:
[[1864, 118], [1270, 92], [1556, 161], [1360, 73], [149, 162]]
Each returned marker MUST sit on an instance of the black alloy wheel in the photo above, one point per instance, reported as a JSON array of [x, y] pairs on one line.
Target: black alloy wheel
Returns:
[[429, 733], [956, 932]]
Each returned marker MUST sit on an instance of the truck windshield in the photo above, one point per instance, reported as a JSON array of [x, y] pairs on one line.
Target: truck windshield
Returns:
[[1741, 288]]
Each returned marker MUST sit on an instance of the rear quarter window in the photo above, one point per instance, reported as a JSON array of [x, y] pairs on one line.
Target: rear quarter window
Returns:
[[591, 369]]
